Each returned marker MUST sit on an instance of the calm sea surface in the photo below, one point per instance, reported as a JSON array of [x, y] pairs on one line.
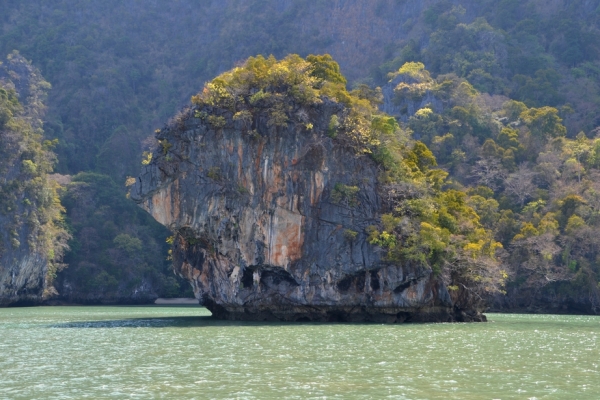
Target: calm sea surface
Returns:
[[181, 353]]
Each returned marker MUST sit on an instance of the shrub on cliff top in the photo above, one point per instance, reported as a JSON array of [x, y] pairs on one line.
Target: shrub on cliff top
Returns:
[[275, 85], [291, 76]]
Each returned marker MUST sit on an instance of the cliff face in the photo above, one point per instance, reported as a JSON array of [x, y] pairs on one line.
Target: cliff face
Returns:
[[22, 274], [265, 229], [22, 265], [31, 243]]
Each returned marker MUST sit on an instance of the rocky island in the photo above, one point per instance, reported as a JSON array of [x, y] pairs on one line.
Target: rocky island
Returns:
[[293, 199]]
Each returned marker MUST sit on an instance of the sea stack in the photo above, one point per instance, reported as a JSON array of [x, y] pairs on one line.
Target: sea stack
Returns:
[[276, 203]]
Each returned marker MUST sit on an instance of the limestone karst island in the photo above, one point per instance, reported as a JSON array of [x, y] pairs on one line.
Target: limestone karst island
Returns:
[[299, 199]]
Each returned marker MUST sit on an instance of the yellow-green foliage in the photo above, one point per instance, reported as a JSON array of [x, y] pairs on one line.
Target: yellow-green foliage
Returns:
[[574, 222], [146, 158], [544, 121], [344, 194], [350, 235], [412, 91], [389, 222], [263, 79], [165, 145], [326, 69], [440, 231], [419, 82], [384, 239], [415, 70], [549, 224], [130, 181], [244, 116], [277, 116], [513, 109], [217, 121], [276, 86]]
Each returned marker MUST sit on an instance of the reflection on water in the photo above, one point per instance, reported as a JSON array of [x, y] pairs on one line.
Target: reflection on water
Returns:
[[180, 352]]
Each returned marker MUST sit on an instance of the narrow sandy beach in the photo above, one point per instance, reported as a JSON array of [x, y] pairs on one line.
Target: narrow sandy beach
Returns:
[[182, 300]]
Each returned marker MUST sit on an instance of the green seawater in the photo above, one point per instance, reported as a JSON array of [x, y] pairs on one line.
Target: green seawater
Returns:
[[182, 353]]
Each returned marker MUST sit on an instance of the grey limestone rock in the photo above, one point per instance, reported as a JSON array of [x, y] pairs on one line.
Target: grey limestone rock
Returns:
[[261, 233]]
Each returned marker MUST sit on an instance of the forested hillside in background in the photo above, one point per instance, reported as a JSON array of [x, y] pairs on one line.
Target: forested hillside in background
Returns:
[[533, 187], [120, 69]]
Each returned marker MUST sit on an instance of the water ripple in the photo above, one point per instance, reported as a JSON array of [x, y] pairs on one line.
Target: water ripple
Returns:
[[160, 352]]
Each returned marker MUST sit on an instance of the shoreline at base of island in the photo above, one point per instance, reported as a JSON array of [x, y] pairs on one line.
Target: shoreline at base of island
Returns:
[[177, 301]]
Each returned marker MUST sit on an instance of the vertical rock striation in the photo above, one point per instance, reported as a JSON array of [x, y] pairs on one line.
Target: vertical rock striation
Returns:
[[22, 276]]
